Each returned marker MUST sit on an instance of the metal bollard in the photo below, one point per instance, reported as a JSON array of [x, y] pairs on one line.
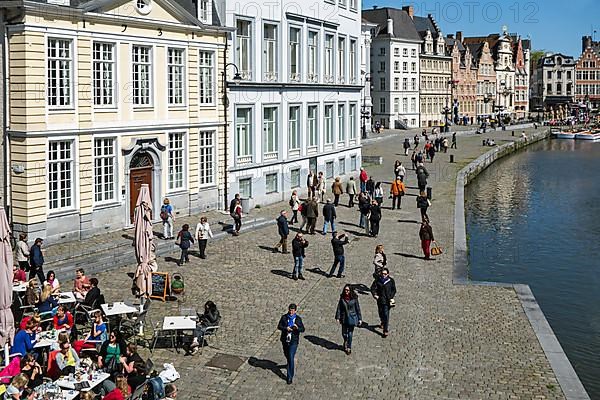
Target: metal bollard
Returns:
[[513, 133], [483, 142], [429, 192], [451, 158]]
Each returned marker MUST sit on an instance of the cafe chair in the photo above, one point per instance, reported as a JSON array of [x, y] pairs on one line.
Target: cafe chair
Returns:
[[160, 333], [209, 331], [130, 327]]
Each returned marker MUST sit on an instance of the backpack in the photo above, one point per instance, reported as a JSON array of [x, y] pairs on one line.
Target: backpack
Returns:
[[291, 202], [155, 389], [164, 214], [304, 209]]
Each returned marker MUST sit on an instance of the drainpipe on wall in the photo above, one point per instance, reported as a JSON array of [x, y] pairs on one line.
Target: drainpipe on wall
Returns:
[[226, 129], [5, 138]]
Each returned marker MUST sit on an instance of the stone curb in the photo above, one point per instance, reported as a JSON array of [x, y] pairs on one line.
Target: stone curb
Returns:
[[569, 382]]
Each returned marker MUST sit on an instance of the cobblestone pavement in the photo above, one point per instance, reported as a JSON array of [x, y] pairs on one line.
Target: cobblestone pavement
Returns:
[[446, 341]]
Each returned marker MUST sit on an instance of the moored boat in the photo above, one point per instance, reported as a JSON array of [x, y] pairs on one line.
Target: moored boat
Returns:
[[564, 135], [587, 135]]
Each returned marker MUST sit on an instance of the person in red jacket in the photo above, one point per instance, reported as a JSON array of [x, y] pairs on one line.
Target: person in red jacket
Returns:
[[363, 180], [63, 320], [121, 392]]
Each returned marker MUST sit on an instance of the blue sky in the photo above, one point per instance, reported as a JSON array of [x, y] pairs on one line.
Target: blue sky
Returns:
[[554, 25]]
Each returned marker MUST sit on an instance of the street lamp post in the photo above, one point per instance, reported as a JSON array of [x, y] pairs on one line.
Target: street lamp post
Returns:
[[452, 84], [225, 85], [364, 113]]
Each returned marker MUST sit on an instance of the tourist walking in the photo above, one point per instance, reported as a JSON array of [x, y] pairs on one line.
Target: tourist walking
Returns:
[[184, 240], [399, 171], [379, 261], [23, 252], [295, 205], [370, 185], [383, 290], [426, 236], [397, 190], [422, 175], [166, 215], [453, 146], [348, 315], [337, 243], [374, 218], [237, 217], [203, 232], [364, 207], [445, 144], [312, 214], [351, 190], [419, 158], [303, 208], [413, 159], [406, 146], [431, 153], [291, 327], [311, 183], [329, 217], [321, 188], [423, 204], [36, 260], [298, 246], [378, 193], [416, 141], [283, 230], [337, 190], [363, 177]]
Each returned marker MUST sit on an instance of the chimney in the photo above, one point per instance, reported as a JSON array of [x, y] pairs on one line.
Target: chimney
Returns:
[[374, 7], [586, 42], [390, 27], [410, 10], [459, 36]]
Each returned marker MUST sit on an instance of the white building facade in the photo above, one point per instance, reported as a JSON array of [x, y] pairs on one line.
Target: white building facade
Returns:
[[395, 67], [297, 105]]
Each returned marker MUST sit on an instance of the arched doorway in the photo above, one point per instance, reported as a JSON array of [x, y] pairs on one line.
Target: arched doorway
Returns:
[[140, 172]]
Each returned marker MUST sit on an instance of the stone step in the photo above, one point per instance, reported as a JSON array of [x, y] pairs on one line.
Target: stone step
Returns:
[[119, 251]]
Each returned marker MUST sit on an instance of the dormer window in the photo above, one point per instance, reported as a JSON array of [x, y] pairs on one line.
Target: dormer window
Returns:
[[143, 6], [203, 10]]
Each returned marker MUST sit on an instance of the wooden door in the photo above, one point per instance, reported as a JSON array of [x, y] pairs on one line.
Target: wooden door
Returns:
[[137, 177]]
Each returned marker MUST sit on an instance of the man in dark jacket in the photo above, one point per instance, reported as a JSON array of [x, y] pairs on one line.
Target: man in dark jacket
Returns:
[[312, 214], [370, 186], [329, 216], [337, 243], [284, 231], [298, 246], [422, 175], [383, 290], [291, 326], [36, 259]]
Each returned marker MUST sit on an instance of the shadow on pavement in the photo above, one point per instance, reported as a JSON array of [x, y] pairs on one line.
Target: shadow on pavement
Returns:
[[326, 344], [172, 259], [409, 221], [406, 255], [360, 288], [346, 223], [371, 328], [269, 248], [226, 227], [317, 270], [267, 365], [281, 272]]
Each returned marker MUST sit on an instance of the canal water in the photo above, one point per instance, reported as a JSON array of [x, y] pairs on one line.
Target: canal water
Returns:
[[534, 217]]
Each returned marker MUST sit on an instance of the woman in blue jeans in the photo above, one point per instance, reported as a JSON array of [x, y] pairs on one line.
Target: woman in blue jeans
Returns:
[[185, 239], [348, 314], [291, 326]]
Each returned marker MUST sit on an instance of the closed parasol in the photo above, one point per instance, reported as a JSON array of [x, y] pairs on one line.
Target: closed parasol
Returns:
[[7, 323], [144, 244]]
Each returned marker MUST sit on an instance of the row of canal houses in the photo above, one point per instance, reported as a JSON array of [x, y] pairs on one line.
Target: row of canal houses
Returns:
[[199, 99]]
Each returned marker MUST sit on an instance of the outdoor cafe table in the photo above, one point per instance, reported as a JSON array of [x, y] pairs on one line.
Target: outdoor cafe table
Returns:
[[45, 339], [68, 382], [20, 287], [178, 323], [118, 308], [66, 298]]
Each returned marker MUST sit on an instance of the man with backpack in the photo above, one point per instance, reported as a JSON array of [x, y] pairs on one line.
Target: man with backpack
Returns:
[[166, 215]]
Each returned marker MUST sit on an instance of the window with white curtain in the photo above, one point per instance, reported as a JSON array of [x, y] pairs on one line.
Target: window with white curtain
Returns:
[[203, 10], [270, 129], [176, 76], [60, 174], [329, 58], [105, 159], [103, 73], [244, 48], [353, 61], [206, 158], [313, 124], [176, 160], [294, 127], [243, 131], [352, 120], [328, 114], [341, 62], [59, 71], [313, 56], [142, 69], [341, 122], [270, 52]]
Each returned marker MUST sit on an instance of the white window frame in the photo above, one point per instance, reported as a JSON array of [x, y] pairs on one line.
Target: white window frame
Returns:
[[294, 127], [207, 155], [175, 72], [342, 166], [103, 88], [352, 115], [206, 72], [341, 59], [329, 169], [313, 56], [328, 124], [353, 60], [270, 52], [275, 177], [61, 165], [295, 51], [204, 11], [270, 130], [102, 160], [244, 148], [341, 125], [174, 183], [140, 100], [242, 194], [353, 163], [64, 64], [295, 178], [329, 55], [312, 126], [244, 48]]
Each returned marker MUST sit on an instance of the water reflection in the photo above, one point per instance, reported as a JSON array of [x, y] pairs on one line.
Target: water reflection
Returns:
[[535, 218]]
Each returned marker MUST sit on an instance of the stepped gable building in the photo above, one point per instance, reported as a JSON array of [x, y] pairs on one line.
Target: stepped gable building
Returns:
[[435, 73], [553, 83], [486, 79], [464, 74], [588, 74], [295, 94], [107, 95], [395, 67]]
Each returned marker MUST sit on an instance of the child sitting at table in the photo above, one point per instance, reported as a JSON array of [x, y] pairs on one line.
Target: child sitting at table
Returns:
[[96, 336]]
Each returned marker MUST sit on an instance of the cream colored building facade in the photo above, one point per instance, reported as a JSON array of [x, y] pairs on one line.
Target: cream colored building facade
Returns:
[[104, 97]]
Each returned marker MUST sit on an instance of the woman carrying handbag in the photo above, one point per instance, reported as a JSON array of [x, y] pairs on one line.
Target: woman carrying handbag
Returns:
[[184, 240], [348, 315], [426, 236]]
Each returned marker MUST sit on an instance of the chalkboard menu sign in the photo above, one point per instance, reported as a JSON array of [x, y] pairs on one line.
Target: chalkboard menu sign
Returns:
[[160, 283]]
